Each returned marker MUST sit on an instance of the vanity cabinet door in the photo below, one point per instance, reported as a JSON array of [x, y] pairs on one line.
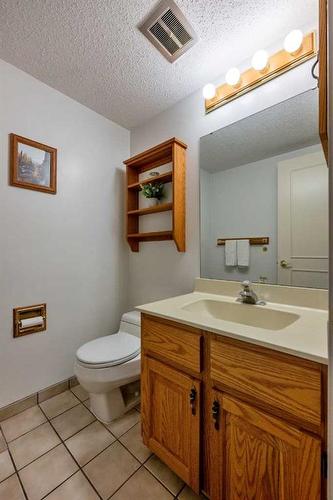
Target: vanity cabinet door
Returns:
[[261, 455], [170, 409]]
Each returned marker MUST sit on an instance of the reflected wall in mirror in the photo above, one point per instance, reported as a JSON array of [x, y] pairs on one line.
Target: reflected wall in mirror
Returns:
[[266, 176]]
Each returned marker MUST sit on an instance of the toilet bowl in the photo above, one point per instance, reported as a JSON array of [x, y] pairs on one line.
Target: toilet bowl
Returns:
[[108, 368]]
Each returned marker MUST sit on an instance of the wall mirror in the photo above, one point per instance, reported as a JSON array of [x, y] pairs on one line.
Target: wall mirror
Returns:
[[266, 177]]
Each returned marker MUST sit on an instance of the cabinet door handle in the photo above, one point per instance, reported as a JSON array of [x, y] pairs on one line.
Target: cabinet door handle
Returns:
[[193, 396], [216, 414]]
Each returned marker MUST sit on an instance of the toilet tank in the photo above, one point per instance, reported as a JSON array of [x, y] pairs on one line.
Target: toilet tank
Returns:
[[131, 323]]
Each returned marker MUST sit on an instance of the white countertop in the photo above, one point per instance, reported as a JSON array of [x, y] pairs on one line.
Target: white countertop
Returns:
[[305, 338]]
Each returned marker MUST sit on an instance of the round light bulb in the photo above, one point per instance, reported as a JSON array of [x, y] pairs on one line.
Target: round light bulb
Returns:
[[209, 91], [293, 41], [233, 77], [260, 60]]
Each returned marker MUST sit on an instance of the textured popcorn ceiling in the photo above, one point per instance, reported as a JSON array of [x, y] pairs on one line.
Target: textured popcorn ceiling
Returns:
[[92, 51]]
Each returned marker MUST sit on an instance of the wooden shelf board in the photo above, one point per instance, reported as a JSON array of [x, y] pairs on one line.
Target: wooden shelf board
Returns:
[[151, 210], [151, 165], [164, 178], [153, 236], [162, 153]]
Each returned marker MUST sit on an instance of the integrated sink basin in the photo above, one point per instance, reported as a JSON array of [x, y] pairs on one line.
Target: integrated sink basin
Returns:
[[250, 315]]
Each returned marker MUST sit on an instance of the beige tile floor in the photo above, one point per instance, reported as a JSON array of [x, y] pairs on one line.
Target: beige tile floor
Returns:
[[59, 451]]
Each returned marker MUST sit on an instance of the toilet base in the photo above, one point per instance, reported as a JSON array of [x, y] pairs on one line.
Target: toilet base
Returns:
[[111, 405], [112, 390]]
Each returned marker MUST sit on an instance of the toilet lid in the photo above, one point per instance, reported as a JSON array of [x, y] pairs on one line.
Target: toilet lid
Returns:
[[110, 350]]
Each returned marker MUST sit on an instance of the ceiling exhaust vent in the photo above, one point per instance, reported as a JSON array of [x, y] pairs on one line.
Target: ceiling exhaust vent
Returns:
[[168, 30]]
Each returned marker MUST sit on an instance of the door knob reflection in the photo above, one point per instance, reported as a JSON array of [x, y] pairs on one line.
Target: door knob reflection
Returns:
[[285, 264]]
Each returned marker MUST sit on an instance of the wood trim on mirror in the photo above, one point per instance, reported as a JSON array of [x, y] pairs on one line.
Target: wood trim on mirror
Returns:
[[323, 131]]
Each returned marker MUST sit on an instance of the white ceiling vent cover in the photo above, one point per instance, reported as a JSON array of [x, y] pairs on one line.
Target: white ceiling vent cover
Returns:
[[168, 30]]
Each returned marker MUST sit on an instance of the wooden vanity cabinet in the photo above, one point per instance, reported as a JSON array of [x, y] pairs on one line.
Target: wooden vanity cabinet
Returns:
[[171, 418], [232, 419], [257, 456], [171, 395]]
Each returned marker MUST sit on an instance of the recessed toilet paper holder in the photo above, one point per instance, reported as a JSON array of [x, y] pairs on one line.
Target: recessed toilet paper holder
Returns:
[[29, 319]]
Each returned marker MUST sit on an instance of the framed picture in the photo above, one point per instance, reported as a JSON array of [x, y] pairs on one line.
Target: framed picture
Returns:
[[32, 165]]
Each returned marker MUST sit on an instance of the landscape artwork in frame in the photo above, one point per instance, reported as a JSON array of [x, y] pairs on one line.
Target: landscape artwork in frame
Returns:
[[32, 165]]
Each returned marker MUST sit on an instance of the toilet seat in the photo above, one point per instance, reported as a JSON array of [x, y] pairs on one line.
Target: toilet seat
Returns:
[[109, 351]]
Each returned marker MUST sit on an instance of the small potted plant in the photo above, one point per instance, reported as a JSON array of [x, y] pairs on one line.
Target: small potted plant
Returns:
[[153, 191]]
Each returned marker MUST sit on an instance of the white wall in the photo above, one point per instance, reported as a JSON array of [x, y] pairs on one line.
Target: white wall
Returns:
[[158, 270], [67, 250]]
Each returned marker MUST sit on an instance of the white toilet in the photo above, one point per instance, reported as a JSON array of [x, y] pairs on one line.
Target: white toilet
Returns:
[[108, 368]]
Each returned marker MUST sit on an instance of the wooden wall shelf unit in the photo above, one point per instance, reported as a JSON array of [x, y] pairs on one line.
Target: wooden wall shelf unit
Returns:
[[172, 151]]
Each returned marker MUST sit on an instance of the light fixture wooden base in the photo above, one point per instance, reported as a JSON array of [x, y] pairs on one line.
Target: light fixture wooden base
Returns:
[[278, 63]]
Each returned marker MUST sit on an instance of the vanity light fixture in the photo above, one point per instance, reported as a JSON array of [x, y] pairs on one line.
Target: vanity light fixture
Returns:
[[233, 77], [297, 49], [293, 41], [260, 61], [209, 91]]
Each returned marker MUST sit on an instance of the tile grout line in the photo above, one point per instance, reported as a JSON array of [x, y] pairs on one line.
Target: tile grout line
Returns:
[[117, 439], [61, 413], [40, 456], [123, 484], [35, 459], [39, 392], [152, 475], [165, 487], [15, 469], [25, 433], [47, 418], [53, 428], [95, 456], [79, 468], [157, 479], [49, 421], [36, 396], [72, 435], [60, 484], [142, 465], [10, 475], [77, 432], [2, 419], [179, 492], [18, 477]]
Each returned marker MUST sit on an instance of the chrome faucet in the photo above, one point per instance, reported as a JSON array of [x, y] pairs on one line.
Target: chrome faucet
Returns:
[[248, 295]]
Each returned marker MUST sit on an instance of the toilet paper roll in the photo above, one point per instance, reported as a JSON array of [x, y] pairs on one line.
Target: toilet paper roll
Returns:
[[28, 322]]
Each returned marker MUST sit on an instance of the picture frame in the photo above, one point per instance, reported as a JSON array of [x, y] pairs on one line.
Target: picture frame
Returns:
[[33, 165]]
